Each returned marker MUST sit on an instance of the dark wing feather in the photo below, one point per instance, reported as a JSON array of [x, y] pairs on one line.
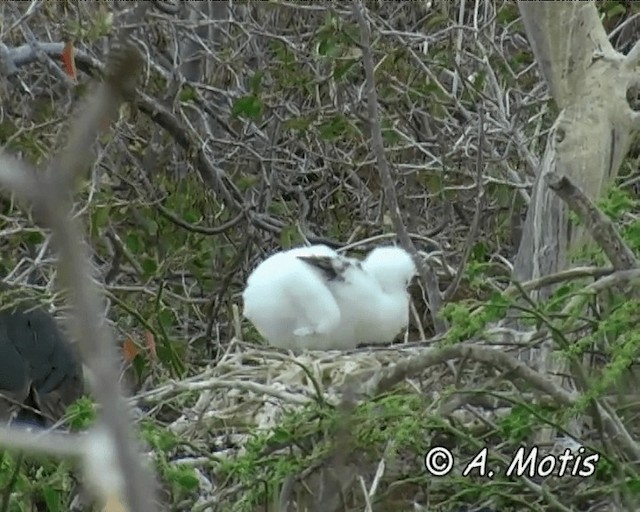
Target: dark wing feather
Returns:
[[332, 268]]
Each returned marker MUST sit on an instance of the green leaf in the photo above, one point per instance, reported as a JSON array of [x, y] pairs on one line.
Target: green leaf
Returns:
[[133, 243], [157, 437], [34, 238], [342, 69], [187, 94], [81, 413], [334, 127], [389, 134], [52, 498], [171, 354], [152, 227], [166, 318], [329, 47], [249, 106], [255, 82], [150, 266], [299, 124], [192, 216], [290, 237], [186, 478], [139, 365], [247, 181], [278, 208], [615, 10], [280, 436], [507, 13], [100, 219]]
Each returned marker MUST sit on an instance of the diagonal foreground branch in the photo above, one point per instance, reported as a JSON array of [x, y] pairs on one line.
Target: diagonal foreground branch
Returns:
[[97, 344], [50, 195]]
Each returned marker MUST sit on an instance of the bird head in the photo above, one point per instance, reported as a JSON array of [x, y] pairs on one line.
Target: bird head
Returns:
[[392, 267]]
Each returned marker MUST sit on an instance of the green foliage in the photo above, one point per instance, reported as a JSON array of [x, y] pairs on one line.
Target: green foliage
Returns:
[[620, 327], [249, 106], [187, 93], [81, 414], [464, 325], [467, 322], [305, 437], [290, 237], [181, 481], [616, 202], [518, 425], [35, 483], [613, 9], [335, 127], [91, 29], [154, 245]]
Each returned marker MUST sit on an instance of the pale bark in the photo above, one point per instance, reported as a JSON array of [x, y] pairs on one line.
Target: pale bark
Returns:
[[588, 80]]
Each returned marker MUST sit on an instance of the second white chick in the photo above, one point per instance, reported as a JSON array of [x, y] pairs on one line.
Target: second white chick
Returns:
[[316, 299], [387, 314]]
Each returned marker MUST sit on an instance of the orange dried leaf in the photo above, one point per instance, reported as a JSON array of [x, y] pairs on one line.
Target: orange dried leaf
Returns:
[[150, 343], [129, 350], [68, 59]]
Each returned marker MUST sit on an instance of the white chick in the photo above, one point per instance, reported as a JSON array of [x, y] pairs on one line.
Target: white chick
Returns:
[[392, 268], [289, 303], [314, 298]]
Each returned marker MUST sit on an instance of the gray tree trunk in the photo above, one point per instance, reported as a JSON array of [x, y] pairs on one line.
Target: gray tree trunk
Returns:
[[588, 81]]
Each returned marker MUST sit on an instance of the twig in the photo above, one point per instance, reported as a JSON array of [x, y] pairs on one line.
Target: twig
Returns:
[[475, 223], [597, 223], [427, 275], [41, 441], [96, 341]]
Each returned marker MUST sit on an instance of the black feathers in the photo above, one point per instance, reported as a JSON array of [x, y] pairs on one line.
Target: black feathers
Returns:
[[38, 366]]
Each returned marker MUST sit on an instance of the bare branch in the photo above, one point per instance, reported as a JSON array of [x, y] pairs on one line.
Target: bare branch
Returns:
[[475, 223], [41, 442], [411, 366], [50, 196], [598, 224], [427, 275]]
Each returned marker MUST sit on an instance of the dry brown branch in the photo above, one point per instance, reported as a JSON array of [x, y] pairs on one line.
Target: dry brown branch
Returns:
[[475, 222]]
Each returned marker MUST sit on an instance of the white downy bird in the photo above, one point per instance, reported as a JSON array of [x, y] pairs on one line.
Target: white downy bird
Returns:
[[316, 299]]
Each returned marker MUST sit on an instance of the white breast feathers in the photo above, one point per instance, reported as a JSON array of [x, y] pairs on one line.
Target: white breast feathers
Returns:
[[316, 299]]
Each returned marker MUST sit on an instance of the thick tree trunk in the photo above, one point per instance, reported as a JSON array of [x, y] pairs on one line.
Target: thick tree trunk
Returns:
[[589, 81]]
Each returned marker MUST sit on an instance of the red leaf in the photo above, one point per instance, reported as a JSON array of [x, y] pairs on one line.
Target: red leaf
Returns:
[[69, 61]]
